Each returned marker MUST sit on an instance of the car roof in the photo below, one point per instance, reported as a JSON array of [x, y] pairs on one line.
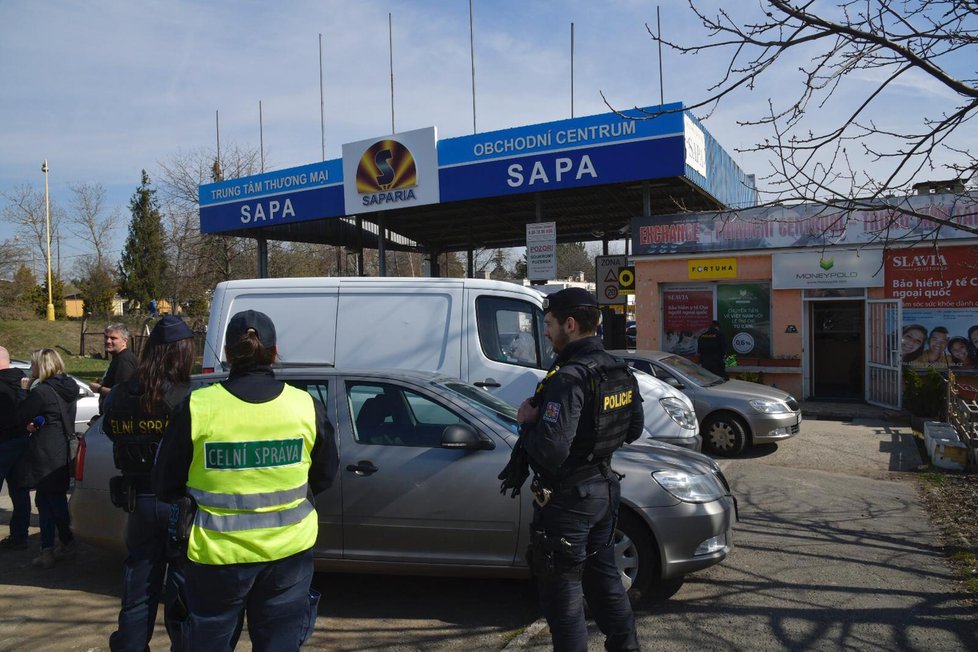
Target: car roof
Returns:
[[300, 371], [647, 354]]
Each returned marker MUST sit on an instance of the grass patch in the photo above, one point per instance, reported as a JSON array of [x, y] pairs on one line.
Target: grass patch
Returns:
[[22, 336], [934, 478]]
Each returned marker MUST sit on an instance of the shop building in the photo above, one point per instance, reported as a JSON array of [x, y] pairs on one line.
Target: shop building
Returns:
[[817, 299]]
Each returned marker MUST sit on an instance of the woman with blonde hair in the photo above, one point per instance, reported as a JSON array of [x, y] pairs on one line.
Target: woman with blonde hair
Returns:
[[48, 413]]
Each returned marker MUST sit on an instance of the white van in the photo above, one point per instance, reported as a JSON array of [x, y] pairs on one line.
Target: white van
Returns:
[[489, 333]]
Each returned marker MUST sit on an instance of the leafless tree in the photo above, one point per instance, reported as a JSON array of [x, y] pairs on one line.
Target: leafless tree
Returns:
[[841, 71], [89, 221], [26, 210]]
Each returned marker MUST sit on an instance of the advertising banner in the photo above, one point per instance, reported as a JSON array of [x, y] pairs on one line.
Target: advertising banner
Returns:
[[833, 268], [939, 288], [805, 225], [713, 268], [745, 318], [686, 313]]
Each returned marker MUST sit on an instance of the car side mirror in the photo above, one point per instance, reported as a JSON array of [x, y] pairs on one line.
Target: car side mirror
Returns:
[[674, 382], [464, 436]]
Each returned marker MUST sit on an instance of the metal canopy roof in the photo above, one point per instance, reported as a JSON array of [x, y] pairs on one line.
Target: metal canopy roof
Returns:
[[581, 214]]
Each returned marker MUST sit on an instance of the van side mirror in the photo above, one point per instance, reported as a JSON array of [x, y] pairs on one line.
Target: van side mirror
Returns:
[[464, 436]]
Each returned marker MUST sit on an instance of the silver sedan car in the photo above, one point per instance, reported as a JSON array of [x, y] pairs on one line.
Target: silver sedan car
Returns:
[[417, 492], [733, 414]]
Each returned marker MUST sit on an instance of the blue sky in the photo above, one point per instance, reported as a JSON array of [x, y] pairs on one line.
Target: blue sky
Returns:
[[103, 89]]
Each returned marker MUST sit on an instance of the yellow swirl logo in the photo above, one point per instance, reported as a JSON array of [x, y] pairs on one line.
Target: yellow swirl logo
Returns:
[[387, 165]]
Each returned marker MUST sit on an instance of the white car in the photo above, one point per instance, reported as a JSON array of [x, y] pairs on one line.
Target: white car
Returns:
[[87, 405]]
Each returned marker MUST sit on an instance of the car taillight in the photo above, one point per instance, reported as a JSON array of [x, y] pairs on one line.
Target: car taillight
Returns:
[[80, 461], [207, 370]]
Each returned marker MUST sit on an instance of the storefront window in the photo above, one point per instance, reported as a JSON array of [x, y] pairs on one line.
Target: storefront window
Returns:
[[743, 310]]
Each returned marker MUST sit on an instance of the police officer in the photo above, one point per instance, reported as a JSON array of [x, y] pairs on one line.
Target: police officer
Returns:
[[252, 452], [585, 408], [136, 414]]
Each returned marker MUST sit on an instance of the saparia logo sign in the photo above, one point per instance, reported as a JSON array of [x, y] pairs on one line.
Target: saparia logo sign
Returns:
[[387, 173]]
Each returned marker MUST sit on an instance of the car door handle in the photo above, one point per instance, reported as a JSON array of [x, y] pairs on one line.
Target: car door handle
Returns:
[[488, 382], [363, 467]]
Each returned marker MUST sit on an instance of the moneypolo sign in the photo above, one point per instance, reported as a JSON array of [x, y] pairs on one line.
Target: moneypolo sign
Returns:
[[831, 268]]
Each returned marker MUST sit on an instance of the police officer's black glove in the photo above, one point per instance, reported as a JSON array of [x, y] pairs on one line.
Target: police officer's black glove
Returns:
[[516, 472]]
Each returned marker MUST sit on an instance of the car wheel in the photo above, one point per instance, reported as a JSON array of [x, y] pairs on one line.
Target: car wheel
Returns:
[[637, 558], [724, 434]]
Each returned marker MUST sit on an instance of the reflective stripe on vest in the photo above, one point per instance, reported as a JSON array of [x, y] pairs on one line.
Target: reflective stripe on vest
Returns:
[[249, 476]]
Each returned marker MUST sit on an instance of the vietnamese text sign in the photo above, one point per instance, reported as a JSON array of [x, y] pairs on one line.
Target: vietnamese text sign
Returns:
[[541, 251], [686, 312], [832, 268], [745, 318]]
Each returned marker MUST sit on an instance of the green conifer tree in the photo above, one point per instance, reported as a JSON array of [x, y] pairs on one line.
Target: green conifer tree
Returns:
[[143, 262]]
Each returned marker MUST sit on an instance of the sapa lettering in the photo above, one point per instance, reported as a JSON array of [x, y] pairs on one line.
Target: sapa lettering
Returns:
[[541, 173]]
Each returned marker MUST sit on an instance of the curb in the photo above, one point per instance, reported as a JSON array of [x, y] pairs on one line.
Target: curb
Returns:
[[526, 635]]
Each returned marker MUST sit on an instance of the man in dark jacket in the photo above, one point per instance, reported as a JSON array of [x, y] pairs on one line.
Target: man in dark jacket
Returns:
[[13, 440], [123, 364], [711, 350]]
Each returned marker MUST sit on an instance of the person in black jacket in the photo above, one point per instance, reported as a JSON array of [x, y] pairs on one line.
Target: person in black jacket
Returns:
[[711, 349], [585, 408], [48, 413], [13, 441], [122, 366], [136, 414]]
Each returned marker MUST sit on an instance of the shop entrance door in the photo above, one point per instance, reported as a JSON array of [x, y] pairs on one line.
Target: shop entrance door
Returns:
[[884, 368], [837, 350]]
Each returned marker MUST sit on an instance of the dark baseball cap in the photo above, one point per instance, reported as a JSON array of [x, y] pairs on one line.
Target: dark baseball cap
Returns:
[[250, 320], [568, 299], [170, 329]]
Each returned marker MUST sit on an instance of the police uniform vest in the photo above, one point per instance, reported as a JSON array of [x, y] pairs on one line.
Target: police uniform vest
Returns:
[[135, 433], [610, 401], [249, 476]]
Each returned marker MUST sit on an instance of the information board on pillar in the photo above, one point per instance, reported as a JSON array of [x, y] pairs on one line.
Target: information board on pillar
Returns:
[[541, 251]]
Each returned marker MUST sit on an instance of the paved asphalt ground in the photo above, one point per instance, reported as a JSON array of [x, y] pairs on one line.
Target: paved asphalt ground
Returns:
[[833, 553]]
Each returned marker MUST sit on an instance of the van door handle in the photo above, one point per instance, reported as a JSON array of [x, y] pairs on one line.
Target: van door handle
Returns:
[[363, 467], [488, 382]]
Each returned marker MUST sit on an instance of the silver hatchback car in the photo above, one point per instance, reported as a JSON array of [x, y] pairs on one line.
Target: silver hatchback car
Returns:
[[417, 492], [733, 414]]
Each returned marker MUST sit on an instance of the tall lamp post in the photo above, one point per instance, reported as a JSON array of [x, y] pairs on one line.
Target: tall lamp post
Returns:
[[47, 222]]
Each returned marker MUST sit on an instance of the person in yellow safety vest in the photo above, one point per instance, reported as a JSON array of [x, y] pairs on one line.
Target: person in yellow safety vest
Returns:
[[251, 452]]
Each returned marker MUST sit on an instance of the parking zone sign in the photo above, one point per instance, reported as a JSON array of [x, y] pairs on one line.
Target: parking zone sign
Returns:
[[606, 270]]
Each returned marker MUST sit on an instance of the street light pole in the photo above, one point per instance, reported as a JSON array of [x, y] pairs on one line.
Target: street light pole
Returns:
[[47, 221]]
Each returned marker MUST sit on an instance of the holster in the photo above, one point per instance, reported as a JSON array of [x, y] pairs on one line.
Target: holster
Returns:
[[122, 492], [181, 521], [551, 556]]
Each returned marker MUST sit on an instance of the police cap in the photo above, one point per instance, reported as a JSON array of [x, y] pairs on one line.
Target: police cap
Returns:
[[251, 320], [170, 329], [569, 298]]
